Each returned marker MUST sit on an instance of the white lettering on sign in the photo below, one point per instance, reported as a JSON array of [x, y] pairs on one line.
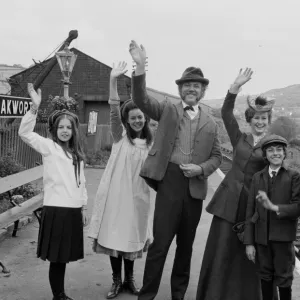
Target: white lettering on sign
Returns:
[[11, 106], [15, 107], [21, 107], [3, 108], [8, 106], [25, 107]]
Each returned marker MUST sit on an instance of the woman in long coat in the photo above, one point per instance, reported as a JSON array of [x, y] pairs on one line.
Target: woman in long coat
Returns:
[[226, 273]]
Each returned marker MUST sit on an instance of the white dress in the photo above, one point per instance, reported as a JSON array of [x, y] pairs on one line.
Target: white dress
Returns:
[[122, 218]]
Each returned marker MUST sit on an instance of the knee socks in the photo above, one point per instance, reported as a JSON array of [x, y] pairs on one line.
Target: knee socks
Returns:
[[285, 293], [128, 265], [269, 291], [116, 265]]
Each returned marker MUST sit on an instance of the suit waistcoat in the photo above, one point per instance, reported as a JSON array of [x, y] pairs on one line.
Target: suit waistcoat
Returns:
[[184, 142]]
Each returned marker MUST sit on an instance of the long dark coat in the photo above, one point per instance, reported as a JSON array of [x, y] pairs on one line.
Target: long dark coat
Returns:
[[247, 160]]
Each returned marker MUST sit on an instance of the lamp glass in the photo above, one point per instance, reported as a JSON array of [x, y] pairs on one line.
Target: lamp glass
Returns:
[[66, 60]]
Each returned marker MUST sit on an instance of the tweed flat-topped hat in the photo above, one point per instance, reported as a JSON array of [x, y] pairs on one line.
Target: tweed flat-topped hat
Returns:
[[192, 74], [273, 139]]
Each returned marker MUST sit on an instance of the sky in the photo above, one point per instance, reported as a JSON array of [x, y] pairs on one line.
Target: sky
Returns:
[[219, 36]]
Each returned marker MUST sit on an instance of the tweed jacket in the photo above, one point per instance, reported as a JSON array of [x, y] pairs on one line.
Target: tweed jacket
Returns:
[[225, 201], [207, 152], [286, 194]]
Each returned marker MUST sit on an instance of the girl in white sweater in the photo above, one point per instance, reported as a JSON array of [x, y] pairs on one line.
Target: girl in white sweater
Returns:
[[64, 208]]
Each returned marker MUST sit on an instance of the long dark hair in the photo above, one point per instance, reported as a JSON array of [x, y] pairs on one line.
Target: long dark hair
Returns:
[[74, 145], [146, 133]]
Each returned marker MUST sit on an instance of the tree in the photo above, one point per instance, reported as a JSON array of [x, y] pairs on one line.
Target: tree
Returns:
[[285, 127]]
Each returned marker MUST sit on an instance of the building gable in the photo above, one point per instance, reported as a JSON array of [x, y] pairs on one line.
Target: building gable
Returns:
[[90, 82]]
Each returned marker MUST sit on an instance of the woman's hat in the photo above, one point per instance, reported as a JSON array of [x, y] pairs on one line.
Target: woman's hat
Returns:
[[57, 113], [192, 74], [273, 139], [260, 103]]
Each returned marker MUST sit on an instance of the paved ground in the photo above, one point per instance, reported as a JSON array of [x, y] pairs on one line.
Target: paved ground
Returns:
[[88, 279]]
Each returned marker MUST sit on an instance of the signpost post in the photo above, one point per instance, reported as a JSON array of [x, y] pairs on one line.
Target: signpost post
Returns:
[[13, 107]]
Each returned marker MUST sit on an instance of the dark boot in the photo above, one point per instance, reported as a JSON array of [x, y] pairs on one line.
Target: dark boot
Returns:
[[129, 282], [62, 296], [267, 289], [67, 297], [285, 293], [116, 287]]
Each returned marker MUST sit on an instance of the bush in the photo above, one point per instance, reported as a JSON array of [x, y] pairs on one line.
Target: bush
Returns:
[[42, 116], [9, 166], [99, 157], [295, 142], [285, 127], [57, 103]]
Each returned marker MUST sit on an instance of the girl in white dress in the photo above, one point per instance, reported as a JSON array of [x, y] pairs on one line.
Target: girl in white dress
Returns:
[[121, 223], [60, 238]]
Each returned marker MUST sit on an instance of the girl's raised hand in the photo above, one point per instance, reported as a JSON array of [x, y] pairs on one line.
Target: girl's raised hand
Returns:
[[243, 77], [118, 70], [36, 97]]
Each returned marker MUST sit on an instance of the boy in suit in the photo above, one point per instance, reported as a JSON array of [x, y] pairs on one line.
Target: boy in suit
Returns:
[[274, 208]]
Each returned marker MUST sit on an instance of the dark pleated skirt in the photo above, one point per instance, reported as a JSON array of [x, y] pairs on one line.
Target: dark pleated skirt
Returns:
[[226, 273], [61, 234]]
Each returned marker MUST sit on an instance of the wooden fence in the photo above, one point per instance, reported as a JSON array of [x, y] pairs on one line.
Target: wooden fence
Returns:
[[10, 143], [27, 207]]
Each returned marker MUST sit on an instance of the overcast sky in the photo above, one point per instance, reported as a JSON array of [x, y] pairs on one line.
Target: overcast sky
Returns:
[[219, 36]]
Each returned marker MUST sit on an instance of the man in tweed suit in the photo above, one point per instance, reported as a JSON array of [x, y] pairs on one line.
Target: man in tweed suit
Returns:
[[185, 152]]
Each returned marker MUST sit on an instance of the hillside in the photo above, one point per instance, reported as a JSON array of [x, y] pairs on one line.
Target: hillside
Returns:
[[287, 98]]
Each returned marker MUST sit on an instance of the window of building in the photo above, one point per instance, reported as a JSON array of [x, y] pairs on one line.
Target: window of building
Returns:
[[92, 125]]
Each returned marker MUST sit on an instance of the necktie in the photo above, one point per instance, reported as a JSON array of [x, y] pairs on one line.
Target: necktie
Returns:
[[189, 108], [273, 176]]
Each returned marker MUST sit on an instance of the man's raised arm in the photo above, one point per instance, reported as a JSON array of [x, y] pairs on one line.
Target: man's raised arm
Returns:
[[150, 106]]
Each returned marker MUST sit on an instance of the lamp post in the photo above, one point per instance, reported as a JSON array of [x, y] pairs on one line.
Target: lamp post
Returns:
[[66, 60]]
